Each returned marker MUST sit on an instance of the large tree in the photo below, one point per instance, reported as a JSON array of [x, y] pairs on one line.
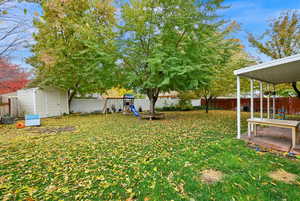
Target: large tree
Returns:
[[12, 77], [223, 83], [170, 45], [281, 39], [75, 46]]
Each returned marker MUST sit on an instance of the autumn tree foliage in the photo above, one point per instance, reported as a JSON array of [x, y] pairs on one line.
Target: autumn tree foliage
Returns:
[[149, 46], [224, 80], [74, 47], [281, 39], [12, 77], [171, 45]]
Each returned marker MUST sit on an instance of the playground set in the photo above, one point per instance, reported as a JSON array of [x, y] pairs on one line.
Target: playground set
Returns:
[[126, 105], [113, 104]]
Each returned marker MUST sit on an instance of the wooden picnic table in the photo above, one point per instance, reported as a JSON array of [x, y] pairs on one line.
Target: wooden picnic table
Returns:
[[276, 123]]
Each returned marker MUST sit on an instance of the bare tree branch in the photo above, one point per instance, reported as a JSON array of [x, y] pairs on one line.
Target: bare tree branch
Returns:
[[9, 32], [14, 30]]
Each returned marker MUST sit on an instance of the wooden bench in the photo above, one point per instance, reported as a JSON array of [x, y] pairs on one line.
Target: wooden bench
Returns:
[[276, 123]]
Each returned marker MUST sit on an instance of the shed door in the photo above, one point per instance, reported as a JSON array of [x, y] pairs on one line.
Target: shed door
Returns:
[[53, 103]]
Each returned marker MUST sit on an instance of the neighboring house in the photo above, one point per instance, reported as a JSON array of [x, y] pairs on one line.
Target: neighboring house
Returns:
[[47, 102]]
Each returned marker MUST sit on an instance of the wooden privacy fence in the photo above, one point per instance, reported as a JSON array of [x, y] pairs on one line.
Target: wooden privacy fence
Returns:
[[290, 104], [9, 106]]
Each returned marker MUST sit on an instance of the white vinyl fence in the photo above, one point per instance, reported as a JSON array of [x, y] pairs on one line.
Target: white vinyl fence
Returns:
[[86, 105], [97, 105]]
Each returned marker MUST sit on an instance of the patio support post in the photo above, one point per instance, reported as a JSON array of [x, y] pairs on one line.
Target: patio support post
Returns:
[[251, 102], [261, 99], [238, 108], [274, 96], [268, 104]]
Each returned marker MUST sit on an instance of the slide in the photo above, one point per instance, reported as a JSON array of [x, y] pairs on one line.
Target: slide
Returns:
[[135, 112]]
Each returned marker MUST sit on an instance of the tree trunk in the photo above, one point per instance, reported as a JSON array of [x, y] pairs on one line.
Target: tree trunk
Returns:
[[207, 103], [294, 84], [153, 96], [71, 96], [152, 106], [72, 92]]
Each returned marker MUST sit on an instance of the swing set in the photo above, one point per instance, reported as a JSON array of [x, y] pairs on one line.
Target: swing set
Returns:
[[123, 104]]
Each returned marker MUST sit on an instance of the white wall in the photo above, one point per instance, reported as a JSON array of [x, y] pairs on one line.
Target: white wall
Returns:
[[142, 103], [51, 102], [97, 105], [196, 102], [86, 105], [45, 102], [160, 103], [26, 99]]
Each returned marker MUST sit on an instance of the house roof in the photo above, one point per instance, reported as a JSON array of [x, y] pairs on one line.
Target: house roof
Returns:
[[285, 70]]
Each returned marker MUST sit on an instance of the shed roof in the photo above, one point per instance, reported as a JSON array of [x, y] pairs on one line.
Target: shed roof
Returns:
[[285, 70]]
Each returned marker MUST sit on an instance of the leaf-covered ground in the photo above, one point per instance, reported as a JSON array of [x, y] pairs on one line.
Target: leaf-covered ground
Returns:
[[116, 157]]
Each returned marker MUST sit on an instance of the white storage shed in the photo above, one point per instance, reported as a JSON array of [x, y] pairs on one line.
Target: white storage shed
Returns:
[[46, 102]]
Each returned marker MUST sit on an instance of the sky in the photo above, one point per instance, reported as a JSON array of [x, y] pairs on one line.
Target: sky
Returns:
[[252, 15], [21, 13]]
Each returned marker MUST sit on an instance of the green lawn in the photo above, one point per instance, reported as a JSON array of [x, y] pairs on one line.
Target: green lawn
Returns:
[[116, 157]]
